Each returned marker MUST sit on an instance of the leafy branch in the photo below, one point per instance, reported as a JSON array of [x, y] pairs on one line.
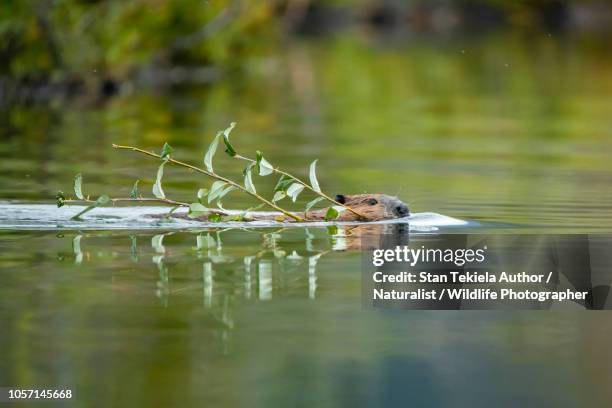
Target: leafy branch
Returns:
[[266, 168], [220, 189], [287, 186], [105, 199]]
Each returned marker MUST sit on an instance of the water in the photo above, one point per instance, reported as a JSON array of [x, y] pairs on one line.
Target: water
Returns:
[[136, 218], [272, 316]]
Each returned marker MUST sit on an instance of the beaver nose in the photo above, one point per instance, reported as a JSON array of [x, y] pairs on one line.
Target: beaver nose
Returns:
[[402, 210]]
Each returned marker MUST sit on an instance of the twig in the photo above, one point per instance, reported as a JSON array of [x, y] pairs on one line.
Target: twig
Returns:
[[215, 176], [135, 200], [319, 193], [143, 199]]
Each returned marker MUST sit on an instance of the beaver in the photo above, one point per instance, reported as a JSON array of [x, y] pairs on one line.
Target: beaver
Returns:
[[370, 236], [374, 207]]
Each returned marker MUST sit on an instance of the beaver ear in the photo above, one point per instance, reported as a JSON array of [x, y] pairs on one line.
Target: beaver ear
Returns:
[[340, 198]]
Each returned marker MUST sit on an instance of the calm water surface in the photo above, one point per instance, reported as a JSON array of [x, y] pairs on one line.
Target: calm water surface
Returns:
[[493, 130]]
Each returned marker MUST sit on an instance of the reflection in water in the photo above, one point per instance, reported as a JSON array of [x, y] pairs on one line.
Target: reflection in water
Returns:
[[262, 269], [207, 277], [134, 248], [162, 283], [270, 269], [312, 275], [267, 313], [76, 247], [273, 268], [248, 260]]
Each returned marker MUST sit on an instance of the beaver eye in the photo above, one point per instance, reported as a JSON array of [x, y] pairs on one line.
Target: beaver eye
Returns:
[[372, 201], [340, 198]]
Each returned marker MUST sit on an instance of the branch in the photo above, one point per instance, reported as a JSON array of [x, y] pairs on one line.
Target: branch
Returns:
[[143, 199], [319, 193], [135, 200], [215, 176]]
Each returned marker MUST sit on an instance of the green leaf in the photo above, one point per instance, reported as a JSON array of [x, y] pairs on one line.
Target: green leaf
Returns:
[[225, 191], [60, 199], [279, 195], [78, 181], [215, 217], [248, 168], [248, 182], [222, 194], [313, 203], [197, 207], [157, 187], [102, 200], [333, 212], [314, 183], [216, 188], [166, 150], [197, 214], [197, 210], [134, 191], [283, 183], [294, 190], [265, 168], [229, 149], [210, 153], [203, 192]]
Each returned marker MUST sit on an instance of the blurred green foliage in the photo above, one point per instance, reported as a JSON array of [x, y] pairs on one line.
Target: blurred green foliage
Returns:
[[56, 39], [72, 39]]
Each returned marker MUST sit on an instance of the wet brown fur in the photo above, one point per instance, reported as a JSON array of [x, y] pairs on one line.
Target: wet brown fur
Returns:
[[374, 207]]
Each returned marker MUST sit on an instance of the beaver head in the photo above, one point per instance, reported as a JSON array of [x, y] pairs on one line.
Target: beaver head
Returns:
[[373, 206]]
